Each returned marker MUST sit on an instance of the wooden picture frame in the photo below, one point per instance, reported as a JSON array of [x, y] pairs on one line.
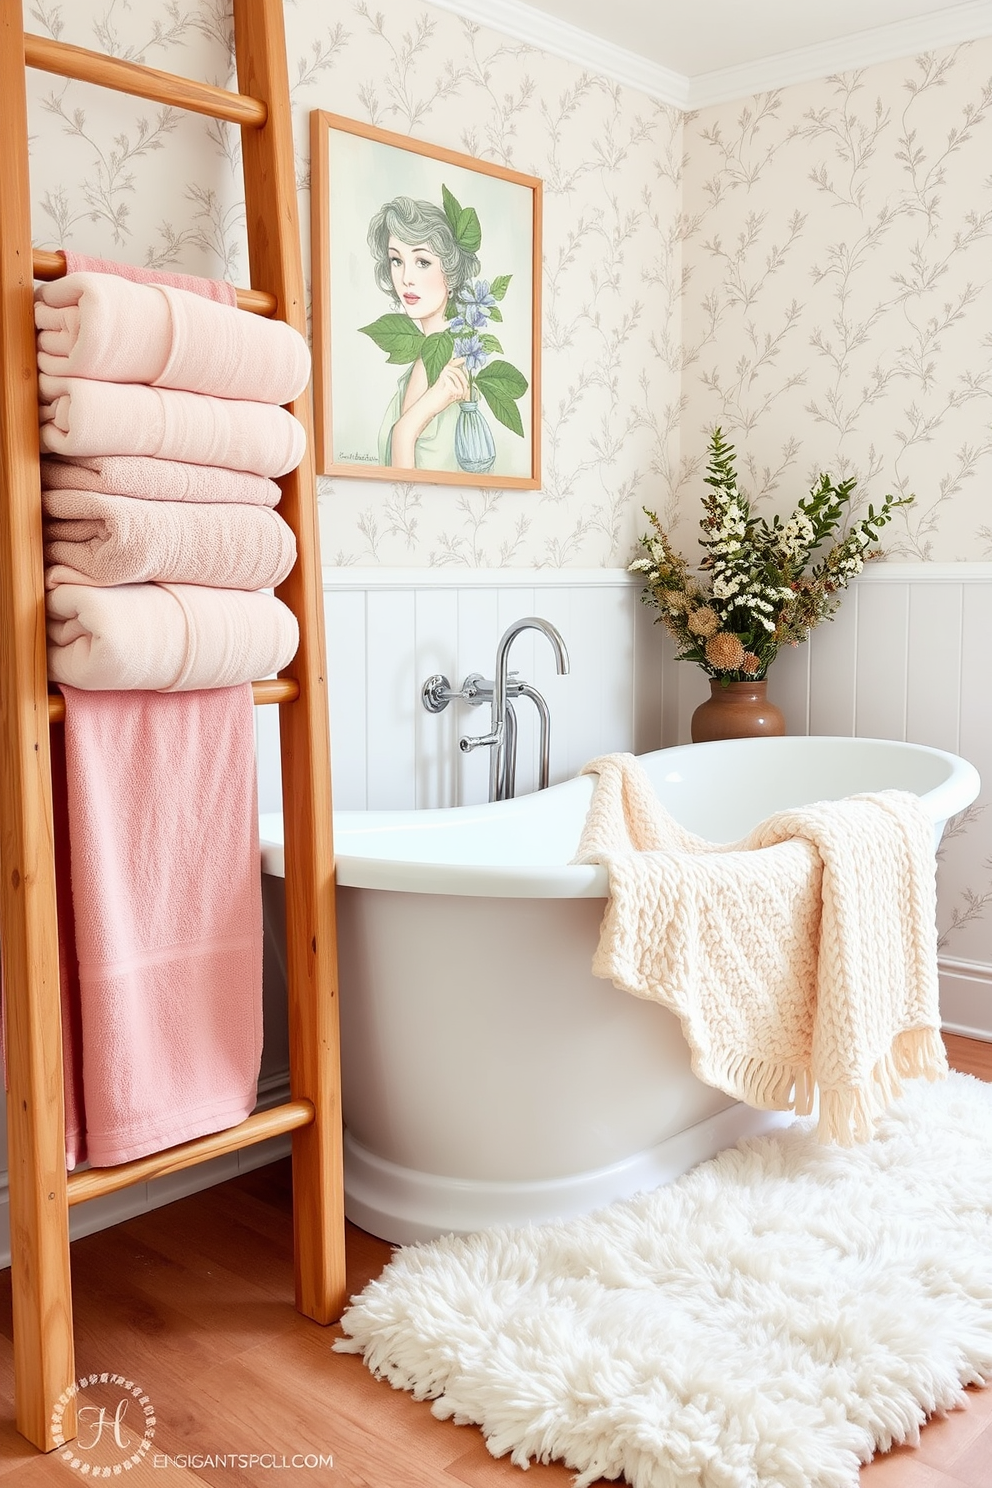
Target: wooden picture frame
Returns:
[[451, 396]]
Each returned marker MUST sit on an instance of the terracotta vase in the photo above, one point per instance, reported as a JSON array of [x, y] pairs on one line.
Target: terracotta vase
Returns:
[[736, 710]]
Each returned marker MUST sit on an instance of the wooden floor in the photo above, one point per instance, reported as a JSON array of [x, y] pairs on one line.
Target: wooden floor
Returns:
[[195, 1303]]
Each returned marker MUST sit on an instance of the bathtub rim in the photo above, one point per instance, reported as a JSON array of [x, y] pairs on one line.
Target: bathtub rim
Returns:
[[567, 880]]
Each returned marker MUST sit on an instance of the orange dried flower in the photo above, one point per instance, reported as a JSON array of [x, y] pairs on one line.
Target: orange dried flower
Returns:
[[704, 621], [750, 664], [725, 652]]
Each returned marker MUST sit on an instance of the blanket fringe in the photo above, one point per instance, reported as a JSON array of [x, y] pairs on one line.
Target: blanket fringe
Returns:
[[848, 1114], [755, 1081]]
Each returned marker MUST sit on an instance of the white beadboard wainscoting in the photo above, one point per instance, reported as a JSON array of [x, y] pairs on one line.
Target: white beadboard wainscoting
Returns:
[[906, 657], [388, 630]]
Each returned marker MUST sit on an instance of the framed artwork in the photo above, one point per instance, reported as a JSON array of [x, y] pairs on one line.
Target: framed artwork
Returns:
[[426, 311]]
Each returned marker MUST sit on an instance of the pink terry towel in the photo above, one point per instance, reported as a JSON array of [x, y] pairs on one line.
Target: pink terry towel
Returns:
[[96, 539], [102, 326], [210, 289], [149, 479], [165, 637], [72, 1038], [80, 416], [166, 894]]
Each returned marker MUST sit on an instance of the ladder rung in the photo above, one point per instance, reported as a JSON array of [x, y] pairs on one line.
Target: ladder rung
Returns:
[[271, 690], [52, 266], [143, 82], [93, 1182]]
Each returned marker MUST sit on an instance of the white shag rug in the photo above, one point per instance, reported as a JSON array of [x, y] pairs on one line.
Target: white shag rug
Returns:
[[770, 1320]]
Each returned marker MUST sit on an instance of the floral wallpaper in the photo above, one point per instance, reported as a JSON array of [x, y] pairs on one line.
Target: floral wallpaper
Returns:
[[812, 278], [156, 186], [838, 305]]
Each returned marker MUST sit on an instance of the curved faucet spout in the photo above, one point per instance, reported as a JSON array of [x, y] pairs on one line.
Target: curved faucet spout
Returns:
[[497, 760]]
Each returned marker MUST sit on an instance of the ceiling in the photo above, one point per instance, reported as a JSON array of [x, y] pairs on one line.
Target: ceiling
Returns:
[[694, 37], [695, 52]]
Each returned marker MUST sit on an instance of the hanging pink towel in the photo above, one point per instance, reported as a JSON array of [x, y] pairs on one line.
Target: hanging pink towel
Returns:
[[210, 289], [72, 1036], [149, 479], [166, 896], [103, 326]]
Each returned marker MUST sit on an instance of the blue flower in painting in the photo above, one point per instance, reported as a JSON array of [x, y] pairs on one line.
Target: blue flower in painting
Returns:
[[472, 319], [476, 295], [472, 349]]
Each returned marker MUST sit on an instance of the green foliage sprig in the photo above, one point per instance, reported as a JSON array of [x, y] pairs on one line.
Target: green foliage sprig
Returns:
[[757, 590]]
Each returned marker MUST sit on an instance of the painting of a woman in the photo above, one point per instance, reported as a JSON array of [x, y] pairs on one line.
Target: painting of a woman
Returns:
[[426, 311], [419, 263]]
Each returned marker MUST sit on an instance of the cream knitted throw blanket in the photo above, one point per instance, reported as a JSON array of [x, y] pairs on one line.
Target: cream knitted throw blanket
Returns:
[[802, 957]]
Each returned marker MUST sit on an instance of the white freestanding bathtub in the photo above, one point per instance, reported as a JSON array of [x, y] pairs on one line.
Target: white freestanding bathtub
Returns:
[[488, 1077]]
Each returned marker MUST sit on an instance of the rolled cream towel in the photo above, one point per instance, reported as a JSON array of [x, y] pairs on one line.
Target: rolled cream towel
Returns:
[[105, 327], [95, 539], [80, 416], [148, 479], [165, 637]]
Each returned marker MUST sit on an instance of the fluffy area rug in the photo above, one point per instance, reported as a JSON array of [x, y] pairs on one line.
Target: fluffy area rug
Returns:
[[770, 1320]]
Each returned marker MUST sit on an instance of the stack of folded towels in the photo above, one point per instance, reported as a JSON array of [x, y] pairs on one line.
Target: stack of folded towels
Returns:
[[162, 430]]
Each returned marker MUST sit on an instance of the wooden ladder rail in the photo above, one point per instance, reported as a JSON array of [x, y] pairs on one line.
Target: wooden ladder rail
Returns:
[[40, 1193]]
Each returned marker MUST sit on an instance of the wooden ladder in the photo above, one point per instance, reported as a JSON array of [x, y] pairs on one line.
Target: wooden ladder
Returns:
[[40, 1192]]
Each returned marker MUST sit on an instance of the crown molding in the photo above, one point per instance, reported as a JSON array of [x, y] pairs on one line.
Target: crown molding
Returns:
[[967, 22], [926, 33], [548, 34]]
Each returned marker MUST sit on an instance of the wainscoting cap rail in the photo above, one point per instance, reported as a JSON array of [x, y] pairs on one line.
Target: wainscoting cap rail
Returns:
[[470, 578], [345, 577]]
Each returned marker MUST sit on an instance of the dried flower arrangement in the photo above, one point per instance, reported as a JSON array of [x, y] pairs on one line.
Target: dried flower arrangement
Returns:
[[756, 594]]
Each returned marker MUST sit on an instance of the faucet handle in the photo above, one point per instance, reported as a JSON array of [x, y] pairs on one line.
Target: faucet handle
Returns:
[[480, 741], [436, 693]]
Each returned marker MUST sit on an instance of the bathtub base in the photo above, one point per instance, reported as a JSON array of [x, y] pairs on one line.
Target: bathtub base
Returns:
[[402, 1205]]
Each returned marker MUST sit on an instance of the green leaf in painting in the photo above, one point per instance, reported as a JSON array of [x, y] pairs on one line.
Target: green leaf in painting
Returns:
[[468, 232], [494, 312], [436, 353], [501, 385], [452, 209], [500, 285], [398, 336], [490, 343]]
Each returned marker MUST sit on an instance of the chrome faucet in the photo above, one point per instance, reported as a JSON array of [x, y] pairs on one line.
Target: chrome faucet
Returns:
[[501, 739], [501, 781]]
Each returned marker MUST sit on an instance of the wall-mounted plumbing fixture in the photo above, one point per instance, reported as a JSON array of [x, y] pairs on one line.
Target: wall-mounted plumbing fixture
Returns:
[[499, 692]]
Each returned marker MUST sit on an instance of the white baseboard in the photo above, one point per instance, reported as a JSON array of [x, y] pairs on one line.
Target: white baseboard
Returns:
[[100, 1214], [966, 998]]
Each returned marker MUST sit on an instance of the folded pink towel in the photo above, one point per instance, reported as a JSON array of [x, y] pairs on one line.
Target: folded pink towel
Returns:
[[95, 539], [157, 480], [165, 637], [210, 289], [105, 327], [80, 416], [166, 894]]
